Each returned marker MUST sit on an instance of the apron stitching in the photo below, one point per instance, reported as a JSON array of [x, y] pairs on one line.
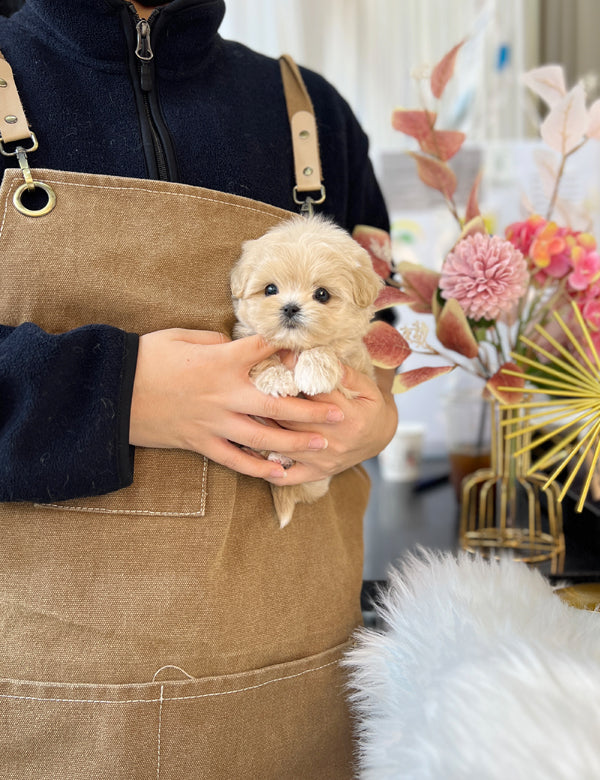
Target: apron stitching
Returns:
[[10, 192], [161, 194], [160, 709], [169, 698], [146, 512], [204, 488], [93, 509]]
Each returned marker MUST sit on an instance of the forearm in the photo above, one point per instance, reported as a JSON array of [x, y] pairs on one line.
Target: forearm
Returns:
[[64, 412]]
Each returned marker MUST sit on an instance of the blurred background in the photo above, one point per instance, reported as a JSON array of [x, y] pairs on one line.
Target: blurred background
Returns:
[[371, 49]]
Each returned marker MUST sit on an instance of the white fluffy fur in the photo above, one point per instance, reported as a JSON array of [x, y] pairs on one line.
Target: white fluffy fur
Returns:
[[481, 673], [299, 257]]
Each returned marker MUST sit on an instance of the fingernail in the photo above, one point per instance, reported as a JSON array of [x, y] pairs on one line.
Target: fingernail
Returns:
[[317, 443], [278, 473], [335, 415]]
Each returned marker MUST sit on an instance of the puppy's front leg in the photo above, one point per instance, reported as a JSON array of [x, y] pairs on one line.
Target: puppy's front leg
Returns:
[[271, 377], [318, 370]]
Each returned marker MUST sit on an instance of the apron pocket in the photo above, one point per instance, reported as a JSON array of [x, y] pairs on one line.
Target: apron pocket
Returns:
[[167, 483], [288, 720]]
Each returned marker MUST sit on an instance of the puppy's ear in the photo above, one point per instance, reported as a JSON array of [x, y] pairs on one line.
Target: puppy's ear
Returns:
[[366, 283], [240, 274]]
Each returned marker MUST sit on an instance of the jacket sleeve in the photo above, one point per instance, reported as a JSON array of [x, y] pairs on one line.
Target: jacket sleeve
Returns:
[[64, 412]]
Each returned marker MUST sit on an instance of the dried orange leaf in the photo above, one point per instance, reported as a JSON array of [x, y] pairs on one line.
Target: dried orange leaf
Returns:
[[416, 124], [454, 331], [442, 144], [475, 225], [435, 174], [443, 71], [593, 130], [548, 82], [378, 244], [567, 122], [387, 347], [472, 210], [420, 284], [507, 384], [416, 376], [391, 296]]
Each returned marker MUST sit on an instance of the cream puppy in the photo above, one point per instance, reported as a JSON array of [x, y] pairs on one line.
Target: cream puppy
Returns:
[[308, 287]]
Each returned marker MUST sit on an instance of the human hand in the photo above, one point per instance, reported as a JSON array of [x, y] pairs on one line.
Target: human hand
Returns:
[[192, 391], [370, 420]]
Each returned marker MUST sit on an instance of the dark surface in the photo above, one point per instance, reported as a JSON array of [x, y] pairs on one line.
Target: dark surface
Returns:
[[401, 517]]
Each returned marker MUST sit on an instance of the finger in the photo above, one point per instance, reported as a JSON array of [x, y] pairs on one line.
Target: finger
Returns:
[[357, 381], [252, 349], [252, 434], [236, 459], [298, 410], [297, 474]]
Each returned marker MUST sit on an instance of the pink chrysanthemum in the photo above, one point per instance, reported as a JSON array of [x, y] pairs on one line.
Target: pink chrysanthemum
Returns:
[[486, 275]]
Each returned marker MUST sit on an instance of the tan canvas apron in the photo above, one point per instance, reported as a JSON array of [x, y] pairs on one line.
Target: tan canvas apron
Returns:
[[170, 629]]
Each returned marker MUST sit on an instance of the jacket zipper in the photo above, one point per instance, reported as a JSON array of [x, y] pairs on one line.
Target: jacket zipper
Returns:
[[158, 147], [145, 56]]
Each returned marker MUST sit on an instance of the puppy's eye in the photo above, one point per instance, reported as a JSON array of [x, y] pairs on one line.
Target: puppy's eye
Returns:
[[321, 295], [271, 289]]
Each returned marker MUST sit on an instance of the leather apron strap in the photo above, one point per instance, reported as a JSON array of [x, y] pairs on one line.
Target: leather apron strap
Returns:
[[13, 123], [305, 140]]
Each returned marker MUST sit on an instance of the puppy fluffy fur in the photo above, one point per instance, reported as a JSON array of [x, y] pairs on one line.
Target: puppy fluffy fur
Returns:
[[308, 287]]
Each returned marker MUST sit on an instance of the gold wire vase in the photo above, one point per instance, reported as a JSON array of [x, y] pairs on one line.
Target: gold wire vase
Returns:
[[506, 510]]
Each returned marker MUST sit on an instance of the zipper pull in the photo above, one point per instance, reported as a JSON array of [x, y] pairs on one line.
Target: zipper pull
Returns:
[[144, 53]]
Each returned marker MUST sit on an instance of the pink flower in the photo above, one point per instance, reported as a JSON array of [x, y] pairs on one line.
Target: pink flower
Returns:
[[486, 275], [549, 252], [591, 314], [521, 234], [585, 262]]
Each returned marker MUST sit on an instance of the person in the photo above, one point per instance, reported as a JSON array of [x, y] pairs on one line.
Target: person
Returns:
[[154, 618]]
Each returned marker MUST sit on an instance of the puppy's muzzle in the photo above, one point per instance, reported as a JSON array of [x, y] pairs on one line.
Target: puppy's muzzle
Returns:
[[291, 315]]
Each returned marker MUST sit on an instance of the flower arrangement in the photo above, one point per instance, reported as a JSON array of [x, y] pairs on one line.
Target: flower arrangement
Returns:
[[493, 293]]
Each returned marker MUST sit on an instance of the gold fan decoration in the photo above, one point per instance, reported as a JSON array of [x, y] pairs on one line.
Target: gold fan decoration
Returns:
[[568, 415]]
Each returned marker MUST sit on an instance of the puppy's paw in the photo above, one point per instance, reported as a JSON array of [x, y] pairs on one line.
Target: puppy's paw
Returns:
[[275, 380], [277, 457], [317, 371]]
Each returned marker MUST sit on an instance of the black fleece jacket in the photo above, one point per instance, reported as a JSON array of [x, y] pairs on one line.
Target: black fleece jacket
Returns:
[[206, 112]]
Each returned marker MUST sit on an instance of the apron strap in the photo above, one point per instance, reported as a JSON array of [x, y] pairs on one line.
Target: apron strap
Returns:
[[13, 123], [14, 129], [305, 140]]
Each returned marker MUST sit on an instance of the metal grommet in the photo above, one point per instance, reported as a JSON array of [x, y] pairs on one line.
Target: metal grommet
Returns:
[[11, 119], [3, 83], [18, 204]]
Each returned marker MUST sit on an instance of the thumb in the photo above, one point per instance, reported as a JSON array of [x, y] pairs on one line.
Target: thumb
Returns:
[[253, 349], [206, 337], [356, 381]]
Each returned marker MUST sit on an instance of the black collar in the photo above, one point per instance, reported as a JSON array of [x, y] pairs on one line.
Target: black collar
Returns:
[[182, 31]]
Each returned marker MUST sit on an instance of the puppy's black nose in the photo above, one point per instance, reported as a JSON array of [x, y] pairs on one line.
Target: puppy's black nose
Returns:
[[290, 310]]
